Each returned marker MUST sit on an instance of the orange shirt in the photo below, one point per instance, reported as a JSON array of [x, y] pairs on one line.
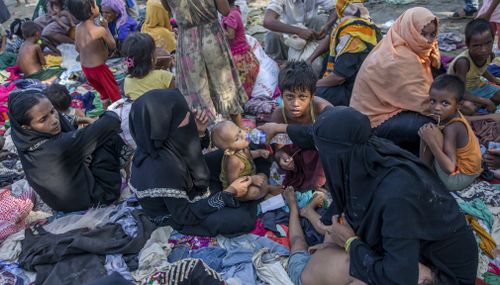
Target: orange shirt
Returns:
[[469, 156]]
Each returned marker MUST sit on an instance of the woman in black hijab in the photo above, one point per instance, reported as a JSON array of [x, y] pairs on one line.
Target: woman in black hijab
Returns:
[[394, 212], [169, 174], [71, 170]]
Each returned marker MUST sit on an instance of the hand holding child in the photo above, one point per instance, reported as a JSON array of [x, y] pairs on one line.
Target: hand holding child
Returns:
[[337, 233], [239, 187], [201, 120], [257, 180]]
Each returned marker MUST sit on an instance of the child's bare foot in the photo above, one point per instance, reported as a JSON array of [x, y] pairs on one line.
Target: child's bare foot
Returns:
[[289, 195], [316, 202]]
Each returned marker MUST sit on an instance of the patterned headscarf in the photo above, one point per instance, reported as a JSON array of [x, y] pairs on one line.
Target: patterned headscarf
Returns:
[[351, 8], [119, 7]]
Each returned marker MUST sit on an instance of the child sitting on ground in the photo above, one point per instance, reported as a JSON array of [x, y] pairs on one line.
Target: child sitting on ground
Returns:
[[31, 59], [61, 100], [245, 60], [238, 160], [472, 63], [140, 57], [93, 42], [454, 152]]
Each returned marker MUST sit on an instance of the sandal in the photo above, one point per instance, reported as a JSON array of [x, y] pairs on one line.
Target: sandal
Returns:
[[462, 14]]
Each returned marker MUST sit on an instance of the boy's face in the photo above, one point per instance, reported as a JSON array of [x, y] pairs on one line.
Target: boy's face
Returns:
[[444, 104], [296, 102], [236, 138], [480, 46]]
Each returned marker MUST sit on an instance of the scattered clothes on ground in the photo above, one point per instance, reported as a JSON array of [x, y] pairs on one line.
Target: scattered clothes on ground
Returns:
[[449, 42], [486, 243], [185, 272]]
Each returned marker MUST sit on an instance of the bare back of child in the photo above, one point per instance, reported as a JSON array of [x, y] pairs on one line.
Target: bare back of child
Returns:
[[30, 58], [238, 161], [92, 42]]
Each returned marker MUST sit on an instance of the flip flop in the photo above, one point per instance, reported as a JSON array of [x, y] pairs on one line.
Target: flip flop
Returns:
[[465, 15]]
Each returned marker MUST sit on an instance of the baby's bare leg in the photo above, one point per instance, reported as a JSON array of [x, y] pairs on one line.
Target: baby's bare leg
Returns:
[[309, 211]]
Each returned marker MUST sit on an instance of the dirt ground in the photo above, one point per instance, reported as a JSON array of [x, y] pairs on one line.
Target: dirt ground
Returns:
[[381, 12]]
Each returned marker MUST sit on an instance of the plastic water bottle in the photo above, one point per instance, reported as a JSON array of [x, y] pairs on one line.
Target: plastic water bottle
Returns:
[[256, 136]]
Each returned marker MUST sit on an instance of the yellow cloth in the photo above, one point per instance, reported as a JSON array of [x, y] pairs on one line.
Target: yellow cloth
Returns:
[[156, 79], [396, 75], [157, 25], [486, 243], [53, 60], [248, 170], [473, 76], [468, 157]]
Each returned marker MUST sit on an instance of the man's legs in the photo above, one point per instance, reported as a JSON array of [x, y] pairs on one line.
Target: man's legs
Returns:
[[275, 47]]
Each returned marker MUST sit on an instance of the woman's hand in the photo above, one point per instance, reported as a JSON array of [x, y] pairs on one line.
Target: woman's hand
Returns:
[[337, 233], [286, 162], [239, 187], [201, 120]]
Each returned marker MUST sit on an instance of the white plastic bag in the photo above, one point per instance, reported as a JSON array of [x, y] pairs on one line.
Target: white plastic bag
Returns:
[[69, 55], [122, 109], [267, 79]]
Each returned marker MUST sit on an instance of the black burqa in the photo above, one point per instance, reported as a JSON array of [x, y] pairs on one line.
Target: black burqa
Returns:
[[75, 169], [170, 176], [399, 209]]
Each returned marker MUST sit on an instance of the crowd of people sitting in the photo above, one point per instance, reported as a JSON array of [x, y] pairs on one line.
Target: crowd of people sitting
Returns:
[[380, 133]]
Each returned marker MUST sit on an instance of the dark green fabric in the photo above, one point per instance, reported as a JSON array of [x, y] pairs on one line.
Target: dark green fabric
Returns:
[[7, 59]]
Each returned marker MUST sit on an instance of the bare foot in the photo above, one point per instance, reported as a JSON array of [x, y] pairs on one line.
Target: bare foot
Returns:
[[316, 202], [289, 195]]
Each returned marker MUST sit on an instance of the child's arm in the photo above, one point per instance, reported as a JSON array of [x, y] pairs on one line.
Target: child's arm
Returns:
[[461, 68], [39, 54], [230, 33], [425, 154], [234, 167], [443, 146], [259, 153], [107, 36], [223, 7], [491, 78]]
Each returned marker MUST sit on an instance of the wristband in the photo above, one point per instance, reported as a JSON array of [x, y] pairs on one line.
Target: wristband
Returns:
[[348, 242]]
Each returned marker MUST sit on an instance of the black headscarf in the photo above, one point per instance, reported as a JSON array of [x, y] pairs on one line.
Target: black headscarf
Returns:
[[25, 139], [356, 164], [154, 121]]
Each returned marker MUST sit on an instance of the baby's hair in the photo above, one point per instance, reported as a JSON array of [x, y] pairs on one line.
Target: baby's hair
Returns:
[[29, 29], [139, 49], [297, 76], [217, 134], [81, 9], [476, 26], [59, 97], [450, 83]]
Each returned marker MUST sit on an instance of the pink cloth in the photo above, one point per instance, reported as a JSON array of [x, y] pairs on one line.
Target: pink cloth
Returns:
[[13, 211], [5, 90], [495, 17], [259, 228], [239, 44], [15, 72]]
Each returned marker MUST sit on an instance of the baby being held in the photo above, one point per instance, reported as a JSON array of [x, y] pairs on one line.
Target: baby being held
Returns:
[[238, 160]]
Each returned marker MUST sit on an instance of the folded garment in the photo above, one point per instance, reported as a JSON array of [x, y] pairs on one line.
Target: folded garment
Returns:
[[46, 73]]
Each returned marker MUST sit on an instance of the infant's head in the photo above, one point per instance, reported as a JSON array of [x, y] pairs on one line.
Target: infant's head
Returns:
[[227, 136]]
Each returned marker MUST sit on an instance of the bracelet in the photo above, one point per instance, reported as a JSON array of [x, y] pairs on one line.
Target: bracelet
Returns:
[[348, 242]]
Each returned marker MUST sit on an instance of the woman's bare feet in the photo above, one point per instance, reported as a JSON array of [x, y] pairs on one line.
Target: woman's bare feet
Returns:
[[317, 201]]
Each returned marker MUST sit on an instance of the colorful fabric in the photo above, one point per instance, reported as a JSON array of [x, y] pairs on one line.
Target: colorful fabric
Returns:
[[184, 272], [206, 74], [486, 242], [157, 25], [102, 79], [404, 54], [122, 31], [13, 211], [248, 68], [478, 209], [239, 44], [485, 90], [46, 73], [194, 242]]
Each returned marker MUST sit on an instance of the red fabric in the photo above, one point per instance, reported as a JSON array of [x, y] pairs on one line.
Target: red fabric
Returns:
[[308, 172], [480, 282], [13, 211], [259, 228], [281, 240], [15, 72], [102, 79], [493, 268]]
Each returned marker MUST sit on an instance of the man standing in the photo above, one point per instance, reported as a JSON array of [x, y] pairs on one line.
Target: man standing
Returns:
[[282, 16]]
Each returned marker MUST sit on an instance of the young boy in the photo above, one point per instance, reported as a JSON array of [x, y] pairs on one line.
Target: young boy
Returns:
[[238, 160], [472, 63], [454, 153], [93, 42], [30, 58], [61, 99]]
